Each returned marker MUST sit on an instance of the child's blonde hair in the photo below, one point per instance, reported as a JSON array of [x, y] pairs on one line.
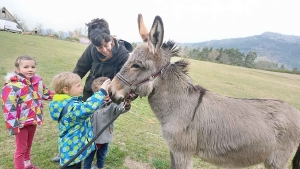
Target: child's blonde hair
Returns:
[[97, 83], [21, 58], [65, 79]]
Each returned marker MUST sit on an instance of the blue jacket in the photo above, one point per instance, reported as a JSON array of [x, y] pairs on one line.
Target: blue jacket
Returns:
[[75, 128]]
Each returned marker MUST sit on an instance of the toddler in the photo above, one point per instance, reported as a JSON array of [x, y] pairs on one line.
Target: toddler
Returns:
[[73, 116]]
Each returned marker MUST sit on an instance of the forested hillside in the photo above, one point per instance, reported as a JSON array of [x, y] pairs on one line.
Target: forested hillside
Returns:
[[281, 49]]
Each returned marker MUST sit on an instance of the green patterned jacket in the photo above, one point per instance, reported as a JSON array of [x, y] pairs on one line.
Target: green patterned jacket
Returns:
[[75, 129]]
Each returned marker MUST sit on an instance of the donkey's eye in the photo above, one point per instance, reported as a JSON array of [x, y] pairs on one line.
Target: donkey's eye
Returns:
[[135, 66]]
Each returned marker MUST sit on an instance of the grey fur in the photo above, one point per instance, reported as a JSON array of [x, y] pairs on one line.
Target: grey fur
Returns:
[[227, 132]]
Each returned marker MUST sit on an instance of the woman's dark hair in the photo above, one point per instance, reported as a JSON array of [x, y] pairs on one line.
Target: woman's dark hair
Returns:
[[98, 30]]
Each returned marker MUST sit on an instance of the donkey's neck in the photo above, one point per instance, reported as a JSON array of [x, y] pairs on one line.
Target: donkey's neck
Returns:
[[173, 93]]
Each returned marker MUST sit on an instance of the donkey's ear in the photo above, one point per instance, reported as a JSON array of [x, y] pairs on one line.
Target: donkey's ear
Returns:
[[142, 28], [156, 35]]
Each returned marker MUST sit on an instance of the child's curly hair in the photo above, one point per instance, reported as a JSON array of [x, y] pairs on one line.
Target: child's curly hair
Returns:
[[97, 83]]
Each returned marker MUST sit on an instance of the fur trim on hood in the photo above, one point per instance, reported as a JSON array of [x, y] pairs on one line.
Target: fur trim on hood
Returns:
[[9, 75], [14, 77]]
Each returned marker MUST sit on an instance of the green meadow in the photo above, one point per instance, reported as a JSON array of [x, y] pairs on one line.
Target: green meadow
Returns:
[[138, 142]]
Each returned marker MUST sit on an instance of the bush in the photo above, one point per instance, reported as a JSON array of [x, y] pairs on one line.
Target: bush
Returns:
[[56, 36], [73, 39]]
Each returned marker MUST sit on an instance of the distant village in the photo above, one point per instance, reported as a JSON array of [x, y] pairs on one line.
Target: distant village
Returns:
[[12, 23]]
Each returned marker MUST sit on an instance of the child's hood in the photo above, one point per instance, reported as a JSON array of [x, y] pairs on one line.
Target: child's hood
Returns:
[[58, 103], [9, 75], [14, 77]]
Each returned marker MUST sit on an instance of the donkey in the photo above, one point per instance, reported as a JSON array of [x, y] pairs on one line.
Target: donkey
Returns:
[[224, 131]]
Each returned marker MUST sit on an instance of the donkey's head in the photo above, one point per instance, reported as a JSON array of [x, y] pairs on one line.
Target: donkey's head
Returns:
[[147, 61]]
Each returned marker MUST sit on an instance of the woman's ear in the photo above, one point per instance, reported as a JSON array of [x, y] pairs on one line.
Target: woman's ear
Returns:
[[65, 90], [113, 42]]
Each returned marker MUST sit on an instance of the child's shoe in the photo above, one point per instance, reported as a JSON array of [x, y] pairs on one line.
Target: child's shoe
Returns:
[[94, 167], [31, 166], [56, 159]]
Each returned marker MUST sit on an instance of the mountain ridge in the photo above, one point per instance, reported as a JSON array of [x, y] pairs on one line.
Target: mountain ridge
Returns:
[[279, 48]]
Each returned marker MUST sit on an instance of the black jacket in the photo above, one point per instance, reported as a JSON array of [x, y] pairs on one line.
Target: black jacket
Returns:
[[90, 61]]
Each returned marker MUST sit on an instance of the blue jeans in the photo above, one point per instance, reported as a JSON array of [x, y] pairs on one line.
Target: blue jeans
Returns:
[[101, 156]]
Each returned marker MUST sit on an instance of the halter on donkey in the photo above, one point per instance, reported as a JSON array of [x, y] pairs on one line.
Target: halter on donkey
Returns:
[[227, 132]]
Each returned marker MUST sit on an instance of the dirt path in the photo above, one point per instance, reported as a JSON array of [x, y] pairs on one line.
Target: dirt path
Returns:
[[131, 164]]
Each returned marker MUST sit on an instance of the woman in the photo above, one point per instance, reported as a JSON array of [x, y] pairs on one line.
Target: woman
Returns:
[[104, 57]]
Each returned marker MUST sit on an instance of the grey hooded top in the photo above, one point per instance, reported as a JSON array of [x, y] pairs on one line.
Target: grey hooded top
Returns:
[[102, 116]]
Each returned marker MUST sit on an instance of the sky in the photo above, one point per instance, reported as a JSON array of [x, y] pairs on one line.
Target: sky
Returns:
[[185, 21]]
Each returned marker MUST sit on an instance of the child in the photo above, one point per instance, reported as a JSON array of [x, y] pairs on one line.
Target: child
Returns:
[[22, 97], [100, 118], [72, 115]]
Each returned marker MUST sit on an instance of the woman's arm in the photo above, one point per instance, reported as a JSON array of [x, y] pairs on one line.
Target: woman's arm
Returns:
[[84, 63]]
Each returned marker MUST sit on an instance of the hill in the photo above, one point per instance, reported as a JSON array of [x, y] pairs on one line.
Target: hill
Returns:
[[282, 49]]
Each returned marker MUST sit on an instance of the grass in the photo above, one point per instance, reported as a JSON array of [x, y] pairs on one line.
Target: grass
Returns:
[[137, 133]]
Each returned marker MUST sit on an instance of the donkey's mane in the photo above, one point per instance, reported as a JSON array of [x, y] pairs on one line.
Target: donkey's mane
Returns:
[[171, 47], [182, 66]]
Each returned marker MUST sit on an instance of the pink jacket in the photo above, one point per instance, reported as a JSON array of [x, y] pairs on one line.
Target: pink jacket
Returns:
[[22, 101]]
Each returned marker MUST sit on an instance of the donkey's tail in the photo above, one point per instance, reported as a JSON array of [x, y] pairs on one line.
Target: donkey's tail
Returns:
[[296, 159]]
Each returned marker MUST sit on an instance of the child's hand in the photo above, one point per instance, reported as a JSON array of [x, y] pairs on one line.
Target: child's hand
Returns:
[[127, 105], [105, 85], [12, 131]]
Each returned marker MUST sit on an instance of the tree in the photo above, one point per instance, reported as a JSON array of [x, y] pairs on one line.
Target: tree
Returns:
[[79, 31], [250, 58], [205, 52], [21, 22], [213, 55], [295, 70], [49, 31], [224, 58], [236, 57], [184, 51], [70, 34], [266, 65], [61, 34], [220, 52], [194, 53]]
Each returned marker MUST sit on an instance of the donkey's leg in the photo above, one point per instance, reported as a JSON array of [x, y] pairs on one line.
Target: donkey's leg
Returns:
[[172, 166], [279, 159], [183, 160]]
